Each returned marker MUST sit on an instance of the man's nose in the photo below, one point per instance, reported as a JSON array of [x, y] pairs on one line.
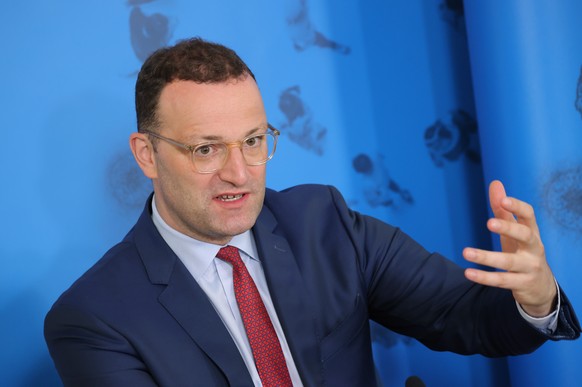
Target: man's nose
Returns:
[[235, 169]]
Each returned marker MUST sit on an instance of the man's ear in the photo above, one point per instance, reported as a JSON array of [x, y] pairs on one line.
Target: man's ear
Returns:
[[143, 152]]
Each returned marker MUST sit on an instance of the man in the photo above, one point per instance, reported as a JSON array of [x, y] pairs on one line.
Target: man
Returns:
[[173, 305]]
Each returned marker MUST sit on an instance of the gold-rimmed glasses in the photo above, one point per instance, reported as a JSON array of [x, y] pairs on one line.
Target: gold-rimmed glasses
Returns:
[[210, 156]]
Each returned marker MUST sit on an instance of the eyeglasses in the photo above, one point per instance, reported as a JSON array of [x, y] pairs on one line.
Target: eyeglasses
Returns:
[[210, 156]]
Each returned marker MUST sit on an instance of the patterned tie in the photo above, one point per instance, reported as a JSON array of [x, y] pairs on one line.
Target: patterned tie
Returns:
[[265, 345]]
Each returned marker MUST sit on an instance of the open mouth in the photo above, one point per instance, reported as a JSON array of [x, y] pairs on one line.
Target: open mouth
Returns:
[[229, 198]]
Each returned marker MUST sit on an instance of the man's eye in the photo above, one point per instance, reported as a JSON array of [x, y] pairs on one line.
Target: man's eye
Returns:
[[253, 141], [205, 150]]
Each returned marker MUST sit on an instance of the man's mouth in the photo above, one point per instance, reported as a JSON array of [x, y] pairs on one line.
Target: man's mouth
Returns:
[[230, 198]]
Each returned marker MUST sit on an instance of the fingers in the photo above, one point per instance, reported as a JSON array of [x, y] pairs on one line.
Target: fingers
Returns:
[[508, 208], [504, 280], [496, 196], [527, 276], [497, 260], [516, 270], [516, 282], [524, 235], [521, 265], [521, 212]]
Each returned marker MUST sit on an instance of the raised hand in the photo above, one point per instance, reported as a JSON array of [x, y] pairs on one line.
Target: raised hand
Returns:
[[522, 261]]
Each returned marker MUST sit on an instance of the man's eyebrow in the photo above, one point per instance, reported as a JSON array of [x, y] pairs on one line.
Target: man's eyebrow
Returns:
[[213, 137], [255, 130]]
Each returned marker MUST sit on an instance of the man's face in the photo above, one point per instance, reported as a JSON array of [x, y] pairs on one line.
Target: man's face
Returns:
[[209, 207]]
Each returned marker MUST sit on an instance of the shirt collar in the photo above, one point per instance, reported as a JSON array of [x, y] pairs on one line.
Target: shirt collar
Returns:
[[195, 254]]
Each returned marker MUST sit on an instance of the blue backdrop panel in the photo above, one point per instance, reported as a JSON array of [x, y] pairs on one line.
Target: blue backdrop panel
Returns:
[[374, 97], [527, 65]]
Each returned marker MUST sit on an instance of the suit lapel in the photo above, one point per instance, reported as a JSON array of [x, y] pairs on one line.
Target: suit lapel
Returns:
[[187, 303], [291, 301]]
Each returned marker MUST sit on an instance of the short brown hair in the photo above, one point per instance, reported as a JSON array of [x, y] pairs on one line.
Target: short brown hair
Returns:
[[189, 60]]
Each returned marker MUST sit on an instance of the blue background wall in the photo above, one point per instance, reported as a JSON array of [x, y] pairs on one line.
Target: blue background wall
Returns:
[[409, 107]]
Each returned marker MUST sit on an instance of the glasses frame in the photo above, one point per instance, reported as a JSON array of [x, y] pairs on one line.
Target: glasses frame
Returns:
[[238, 144]]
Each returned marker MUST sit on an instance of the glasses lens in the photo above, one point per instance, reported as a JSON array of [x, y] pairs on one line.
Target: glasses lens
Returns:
[[209, 157], [258, 149]]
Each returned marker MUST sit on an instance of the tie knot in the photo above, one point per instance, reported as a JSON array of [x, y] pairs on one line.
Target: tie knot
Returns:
[[229, 254]]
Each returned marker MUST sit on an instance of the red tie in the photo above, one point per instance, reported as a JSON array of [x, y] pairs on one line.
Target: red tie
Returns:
[[265, 345]]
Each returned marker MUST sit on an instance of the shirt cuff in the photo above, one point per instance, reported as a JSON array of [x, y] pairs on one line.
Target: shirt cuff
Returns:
[[547, 323]]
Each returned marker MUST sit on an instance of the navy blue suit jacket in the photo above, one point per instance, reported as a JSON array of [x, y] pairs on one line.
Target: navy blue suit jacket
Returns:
[[138, 318]]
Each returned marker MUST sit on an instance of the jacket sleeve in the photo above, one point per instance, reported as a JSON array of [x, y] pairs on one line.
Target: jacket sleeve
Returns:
[[87, 352], [426, 296]]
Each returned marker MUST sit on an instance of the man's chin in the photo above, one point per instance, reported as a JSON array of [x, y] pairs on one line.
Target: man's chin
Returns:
[[233, 227]]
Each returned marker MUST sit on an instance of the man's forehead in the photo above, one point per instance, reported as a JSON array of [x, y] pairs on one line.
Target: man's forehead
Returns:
[[224, 135], [184, 85], [210, 96]]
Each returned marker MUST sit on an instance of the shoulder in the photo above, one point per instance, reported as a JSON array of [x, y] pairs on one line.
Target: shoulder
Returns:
[[114, 293], [120, 274], [308, 210], [107, 274], [120, 270], [304, 196], [313, 210]]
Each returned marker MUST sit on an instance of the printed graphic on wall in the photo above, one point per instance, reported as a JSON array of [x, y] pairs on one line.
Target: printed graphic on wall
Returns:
[[562, 198], [127, 183], [300, 126], [378, 188], [147, 32], [451, 137], [302, 31]]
